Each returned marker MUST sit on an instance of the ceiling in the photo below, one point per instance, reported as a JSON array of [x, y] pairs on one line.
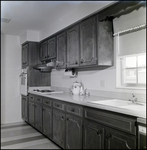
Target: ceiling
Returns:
[[33, 15]]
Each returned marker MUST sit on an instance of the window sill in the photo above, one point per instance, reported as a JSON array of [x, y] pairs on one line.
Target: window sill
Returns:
[[131, 88]]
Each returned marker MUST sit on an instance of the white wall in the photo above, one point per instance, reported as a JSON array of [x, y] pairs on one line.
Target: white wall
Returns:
[[76, 14], [29, 35], [102, 80], [10, 81]]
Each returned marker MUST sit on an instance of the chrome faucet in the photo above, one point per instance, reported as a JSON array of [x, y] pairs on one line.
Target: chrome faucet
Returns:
[[134, 99]]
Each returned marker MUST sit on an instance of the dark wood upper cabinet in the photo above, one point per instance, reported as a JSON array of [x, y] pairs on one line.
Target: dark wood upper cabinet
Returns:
[[61, 50], [43, 51], [73, 46], [52, 48], [88, 42], [105, 42], [30, 54], [48, 49], [25, 58]]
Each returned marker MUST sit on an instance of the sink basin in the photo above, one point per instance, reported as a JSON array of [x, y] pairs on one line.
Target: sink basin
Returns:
[[122, 104], [135, 107], [112, 102]]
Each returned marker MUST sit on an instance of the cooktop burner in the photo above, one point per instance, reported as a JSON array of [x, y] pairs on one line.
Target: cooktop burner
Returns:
[[37, 90]]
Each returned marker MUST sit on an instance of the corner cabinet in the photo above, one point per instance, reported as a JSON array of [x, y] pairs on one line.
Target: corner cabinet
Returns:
[[24, 58], [61, 51], [30, 54], [88, 42]]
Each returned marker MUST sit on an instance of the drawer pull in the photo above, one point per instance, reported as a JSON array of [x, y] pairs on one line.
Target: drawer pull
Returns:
[[57, 105], [72, 110], [67, 119], [62, 117], [38, 99], [46, 102]]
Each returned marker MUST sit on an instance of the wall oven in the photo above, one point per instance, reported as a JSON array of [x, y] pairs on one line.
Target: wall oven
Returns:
[[23, 83]]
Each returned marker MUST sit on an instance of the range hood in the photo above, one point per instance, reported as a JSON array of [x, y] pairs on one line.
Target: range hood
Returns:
[[44, 67]]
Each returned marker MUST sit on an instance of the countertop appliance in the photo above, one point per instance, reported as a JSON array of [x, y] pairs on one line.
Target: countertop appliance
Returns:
[[23, 83], [46, 91]]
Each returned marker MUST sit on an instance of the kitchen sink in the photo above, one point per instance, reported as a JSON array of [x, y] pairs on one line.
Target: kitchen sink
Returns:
[[135, 107], [122, 104], [112, 102]]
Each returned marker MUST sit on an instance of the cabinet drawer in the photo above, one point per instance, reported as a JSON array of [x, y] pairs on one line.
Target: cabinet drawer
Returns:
[[74, 109], [31, 97], [47, 102], [38, 99], [59, 105], [118, 121]]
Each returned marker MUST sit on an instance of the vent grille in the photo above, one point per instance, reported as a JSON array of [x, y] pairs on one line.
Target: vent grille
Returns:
[[5, 20]]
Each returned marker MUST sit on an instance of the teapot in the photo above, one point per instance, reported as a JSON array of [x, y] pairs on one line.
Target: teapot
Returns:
[[75, 88]]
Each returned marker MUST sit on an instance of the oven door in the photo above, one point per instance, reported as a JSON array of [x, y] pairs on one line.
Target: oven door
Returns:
[[23, 85]]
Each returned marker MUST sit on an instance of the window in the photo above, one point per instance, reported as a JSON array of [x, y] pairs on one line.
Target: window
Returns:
[[133, 70]]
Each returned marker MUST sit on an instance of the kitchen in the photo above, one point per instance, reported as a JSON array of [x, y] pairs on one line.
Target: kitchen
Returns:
[[104, 82]]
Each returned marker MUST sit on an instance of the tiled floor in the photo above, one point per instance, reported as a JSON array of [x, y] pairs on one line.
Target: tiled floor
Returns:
[[23, 136]]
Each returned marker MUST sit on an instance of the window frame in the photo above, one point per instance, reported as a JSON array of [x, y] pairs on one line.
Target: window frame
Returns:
[[120, 71]]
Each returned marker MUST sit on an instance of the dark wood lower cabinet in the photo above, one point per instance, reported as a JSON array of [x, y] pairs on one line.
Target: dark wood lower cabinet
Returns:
[[59, 128], [119, 140], [93, 136], [47, 122], [73, 132], [38, 116], [31, 113], [24, 108], [72, 128]]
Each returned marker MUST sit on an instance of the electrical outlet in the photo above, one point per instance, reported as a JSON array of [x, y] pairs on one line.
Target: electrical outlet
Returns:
[[102, 83]]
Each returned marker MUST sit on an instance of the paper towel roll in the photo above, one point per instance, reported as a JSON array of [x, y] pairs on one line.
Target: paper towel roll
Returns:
[[69, 73]]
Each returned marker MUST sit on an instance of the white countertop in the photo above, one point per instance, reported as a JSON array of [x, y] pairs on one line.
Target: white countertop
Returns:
[[85, 101]]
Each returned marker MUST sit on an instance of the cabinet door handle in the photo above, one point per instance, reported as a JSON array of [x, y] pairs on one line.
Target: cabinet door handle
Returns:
[[76, 62], [67, 119], [62, 118], [82, 61], [108, 136], [99, 132]]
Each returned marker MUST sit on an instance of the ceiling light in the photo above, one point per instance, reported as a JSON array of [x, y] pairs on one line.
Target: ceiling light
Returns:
[[5, 20]]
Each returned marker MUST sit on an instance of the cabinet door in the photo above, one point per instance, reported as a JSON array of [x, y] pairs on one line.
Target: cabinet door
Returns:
[[38, 116], [59, 128], [47, 122], [93, 136], [61, 50], [119, 140], [31, 113], [73, 132], [25, 55], [44, 51], [105, 42], [88, 42], [52, 48], [73, 41]]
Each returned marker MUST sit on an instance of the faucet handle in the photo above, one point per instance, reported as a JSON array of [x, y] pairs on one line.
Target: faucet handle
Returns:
[[133, 95]]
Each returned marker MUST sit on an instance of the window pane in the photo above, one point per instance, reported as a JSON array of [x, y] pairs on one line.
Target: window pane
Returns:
[[142, 61], [142, 76], [130, 61], [130, 76]]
